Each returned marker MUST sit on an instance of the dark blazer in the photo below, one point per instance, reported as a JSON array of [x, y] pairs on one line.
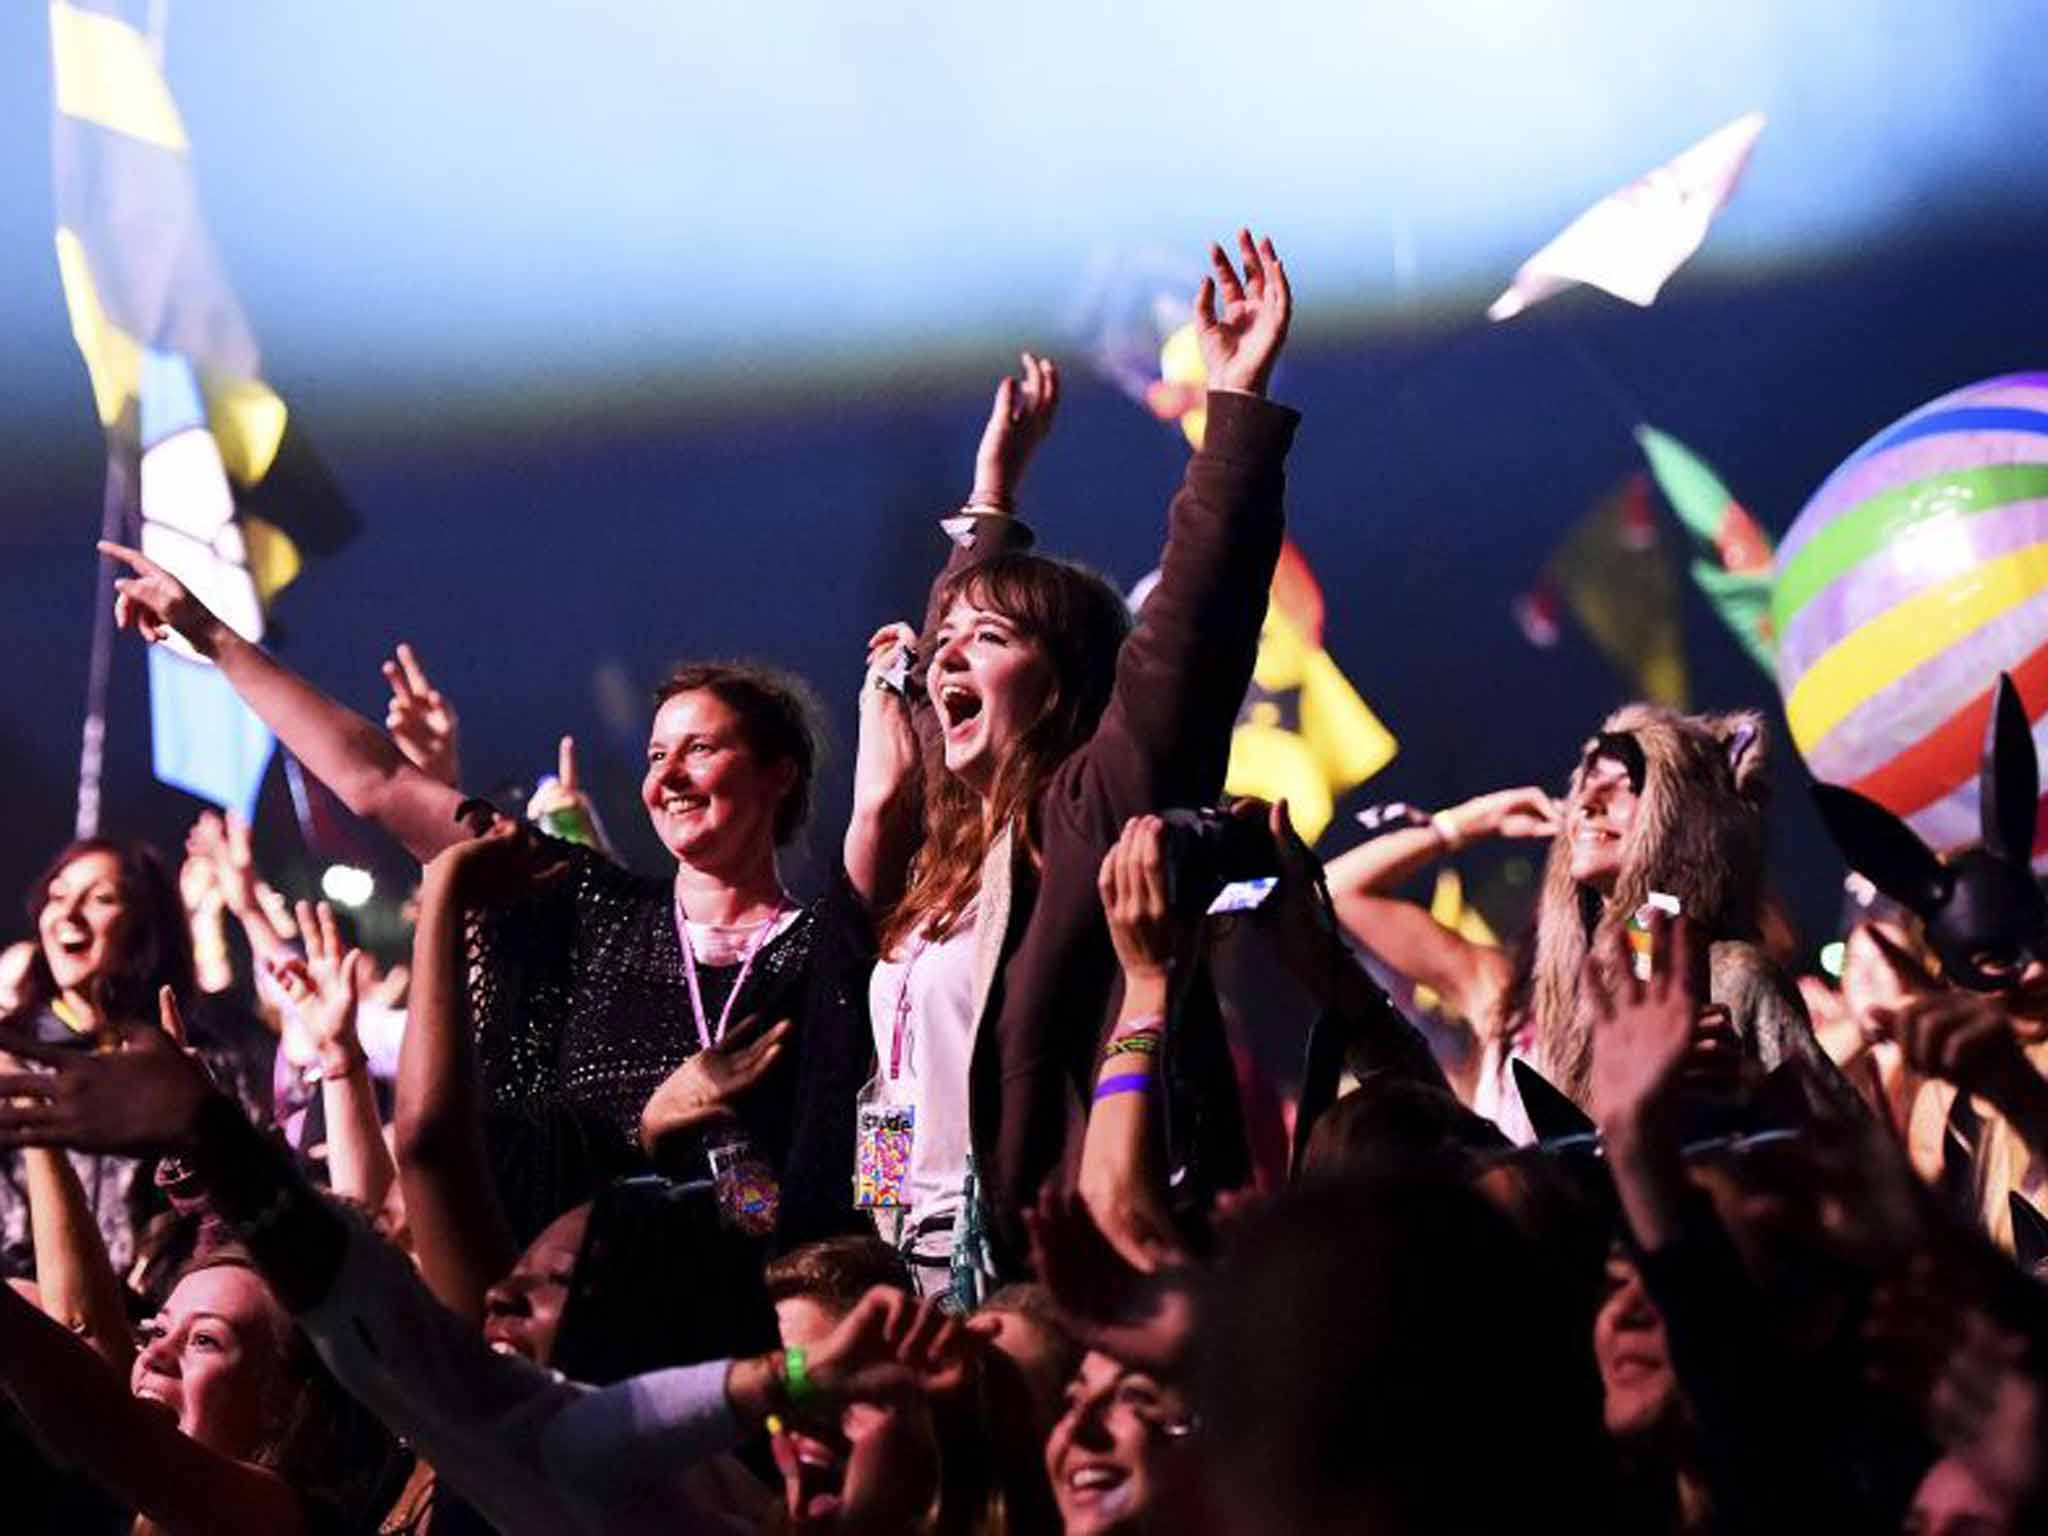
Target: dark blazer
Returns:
[[1046, 976]]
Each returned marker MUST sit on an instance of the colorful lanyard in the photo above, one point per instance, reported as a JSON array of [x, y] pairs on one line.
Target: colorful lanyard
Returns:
[[705, 1036]]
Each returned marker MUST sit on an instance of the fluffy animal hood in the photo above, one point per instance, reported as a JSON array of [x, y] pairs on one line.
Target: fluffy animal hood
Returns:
[[1698, 835]]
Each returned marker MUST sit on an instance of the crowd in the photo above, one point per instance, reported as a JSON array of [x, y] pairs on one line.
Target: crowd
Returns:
[[952, 1199]]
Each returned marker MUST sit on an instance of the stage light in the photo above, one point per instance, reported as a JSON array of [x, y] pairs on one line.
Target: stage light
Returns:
[[347, 886]]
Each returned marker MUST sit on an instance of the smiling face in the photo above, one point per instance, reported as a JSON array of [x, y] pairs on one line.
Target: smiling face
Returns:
[[212, 1360], [85, 920], [1600, 813], [989, 683], [523, 1311], [711, 798], [1639, 1387], [1106, 1457]]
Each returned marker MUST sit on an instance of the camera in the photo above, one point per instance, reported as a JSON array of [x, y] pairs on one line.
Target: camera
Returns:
[[1211, 854]]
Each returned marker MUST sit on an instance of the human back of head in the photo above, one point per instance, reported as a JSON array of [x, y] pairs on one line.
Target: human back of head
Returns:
[[1357, 1337]]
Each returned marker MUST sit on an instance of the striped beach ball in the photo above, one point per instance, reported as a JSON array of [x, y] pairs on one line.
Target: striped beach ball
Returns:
[[1916, 574]]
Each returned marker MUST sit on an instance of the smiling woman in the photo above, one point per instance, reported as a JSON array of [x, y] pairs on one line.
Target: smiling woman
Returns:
[[110, 931], [1051, 719], [622, 1019], [227, 1422]]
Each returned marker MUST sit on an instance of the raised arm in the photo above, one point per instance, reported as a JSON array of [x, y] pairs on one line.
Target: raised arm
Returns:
[[1471, 978], [343, 750], [1182, 674], [1122, 1178], [459, 1231], [85, 1413], [323, 987], [74, 1278], [881, 832]]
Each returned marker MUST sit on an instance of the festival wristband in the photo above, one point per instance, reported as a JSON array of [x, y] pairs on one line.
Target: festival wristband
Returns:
[[797, 1386], [1133, 1045], [1130, 1082]]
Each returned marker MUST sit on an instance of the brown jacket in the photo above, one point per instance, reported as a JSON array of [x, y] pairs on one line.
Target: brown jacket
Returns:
[[1046, 977]]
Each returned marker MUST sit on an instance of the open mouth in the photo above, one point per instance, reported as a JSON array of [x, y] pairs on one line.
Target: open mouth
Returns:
[[156, 1400], [958, 705], [683, 805]]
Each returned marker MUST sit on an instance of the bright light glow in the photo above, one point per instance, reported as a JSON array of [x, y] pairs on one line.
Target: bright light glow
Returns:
[[347, 886], [526, 189], [1832, 956]]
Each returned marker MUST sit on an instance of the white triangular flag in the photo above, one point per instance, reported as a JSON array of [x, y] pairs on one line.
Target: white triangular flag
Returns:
[[1629, 243]]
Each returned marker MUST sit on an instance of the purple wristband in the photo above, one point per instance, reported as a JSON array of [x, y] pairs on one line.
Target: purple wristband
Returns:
[[1130, 1082]]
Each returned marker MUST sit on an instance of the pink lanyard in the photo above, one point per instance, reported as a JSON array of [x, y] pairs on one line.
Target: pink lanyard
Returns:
[[902, 1021], [705, 1036], [918, 946]]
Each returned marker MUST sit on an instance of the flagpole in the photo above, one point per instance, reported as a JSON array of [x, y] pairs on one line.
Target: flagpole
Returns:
[[93, 742]]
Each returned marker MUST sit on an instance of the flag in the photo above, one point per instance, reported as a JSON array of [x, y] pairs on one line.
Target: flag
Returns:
[[1737, 577], [1630, 242], [1304, 734], [1612, 571], [195, 438]]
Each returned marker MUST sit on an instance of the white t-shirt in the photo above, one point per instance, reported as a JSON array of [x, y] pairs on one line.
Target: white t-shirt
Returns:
[[931, 987]]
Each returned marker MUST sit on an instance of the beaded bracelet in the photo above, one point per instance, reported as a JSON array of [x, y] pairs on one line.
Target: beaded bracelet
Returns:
[[1130, 1082]]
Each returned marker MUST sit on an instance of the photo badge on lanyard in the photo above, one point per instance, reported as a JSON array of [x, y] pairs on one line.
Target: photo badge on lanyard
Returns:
[[884, 1133]]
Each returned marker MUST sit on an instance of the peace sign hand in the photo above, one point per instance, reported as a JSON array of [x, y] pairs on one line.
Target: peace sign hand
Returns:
[[420, 718]]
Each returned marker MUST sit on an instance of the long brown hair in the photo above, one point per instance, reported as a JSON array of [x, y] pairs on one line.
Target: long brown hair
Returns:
[[1080, 621], [156, 951], [1698, 835]]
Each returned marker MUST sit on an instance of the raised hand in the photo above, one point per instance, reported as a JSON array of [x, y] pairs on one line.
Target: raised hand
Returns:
[[1144, 1319], [710, 1084], [1132, 883], [1017, 423], [1966, 1038], [1241, 340], [504, 861], [156, 605], [140, 1099], [1523, 812], [223, 843], [889, 1347], [561, 807], [1643, 1031], [886, 759], [420, 718], [323, 988]]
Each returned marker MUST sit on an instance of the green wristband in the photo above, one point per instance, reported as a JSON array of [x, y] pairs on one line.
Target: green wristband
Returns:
[[797, 1384]]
